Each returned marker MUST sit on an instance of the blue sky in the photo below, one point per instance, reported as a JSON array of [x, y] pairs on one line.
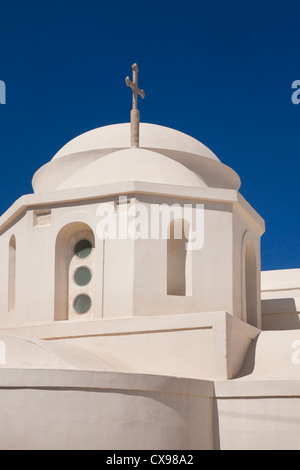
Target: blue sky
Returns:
[[221, 71]]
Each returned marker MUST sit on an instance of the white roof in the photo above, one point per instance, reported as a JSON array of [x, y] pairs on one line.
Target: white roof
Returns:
[[134, 164], [103, 156], [152, 136]]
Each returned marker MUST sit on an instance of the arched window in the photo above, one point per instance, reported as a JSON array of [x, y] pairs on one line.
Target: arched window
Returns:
[[12, 273], [178, 272], [81, 271], [74, 272], [251, 284]]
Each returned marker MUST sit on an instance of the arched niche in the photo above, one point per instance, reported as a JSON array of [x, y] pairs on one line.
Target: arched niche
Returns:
[[74, 272], [12, 273], [250, 280], [178, 259]]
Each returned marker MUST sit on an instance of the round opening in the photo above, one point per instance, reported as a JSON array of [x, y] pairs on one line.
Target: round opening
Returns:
[[82, 303], [83, 248], [82, 276]]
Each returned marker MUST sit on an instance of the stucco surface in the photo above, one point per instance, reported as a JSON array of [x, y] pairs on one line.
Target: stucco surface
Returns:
[[172, 352]]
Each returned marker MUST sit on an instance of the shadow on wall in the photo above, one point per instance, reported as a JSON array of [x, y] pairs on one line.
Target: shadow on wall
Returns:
[[273, 355], [216, 426], [280, 314], [249, 363]]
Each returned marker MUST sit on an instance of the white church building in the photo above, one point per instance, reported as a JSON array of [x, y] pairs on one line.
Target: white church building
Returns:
[[133, 310]]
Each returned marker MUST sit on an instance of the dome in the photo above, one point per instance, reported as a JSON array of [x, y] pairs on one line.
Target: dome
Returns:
[[152, 136], [134, 164], [102, 156]]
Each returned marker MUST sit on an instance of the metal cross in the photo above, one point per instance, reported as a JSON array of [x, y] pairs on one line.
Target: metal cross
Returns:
[[134, 113], [134, 86]]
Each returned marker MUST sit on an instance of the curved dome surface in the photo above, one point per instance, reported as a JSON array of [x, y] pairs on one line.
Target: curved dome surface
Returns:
[[134, 164], [104, 156], [152, 136]]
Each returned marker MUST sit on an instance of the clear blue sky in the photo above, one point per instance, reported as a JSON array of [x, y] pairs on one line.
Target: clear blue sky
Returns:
[[220, 71]]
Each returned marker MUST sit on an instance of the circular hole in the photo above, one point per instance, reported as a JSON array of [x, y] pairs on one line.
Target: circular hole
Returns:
[[82, 303], [83, 248], [82, 276]]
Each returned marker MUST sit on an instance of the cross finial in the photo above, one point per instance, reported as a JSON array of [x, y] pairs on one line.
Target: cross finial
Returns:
[[134, 114]]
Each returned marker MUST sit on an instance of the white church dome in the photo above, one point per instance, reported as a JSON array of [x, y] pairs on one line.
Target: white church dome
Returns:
[[102, 156], [152, 136], [134, 164]]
